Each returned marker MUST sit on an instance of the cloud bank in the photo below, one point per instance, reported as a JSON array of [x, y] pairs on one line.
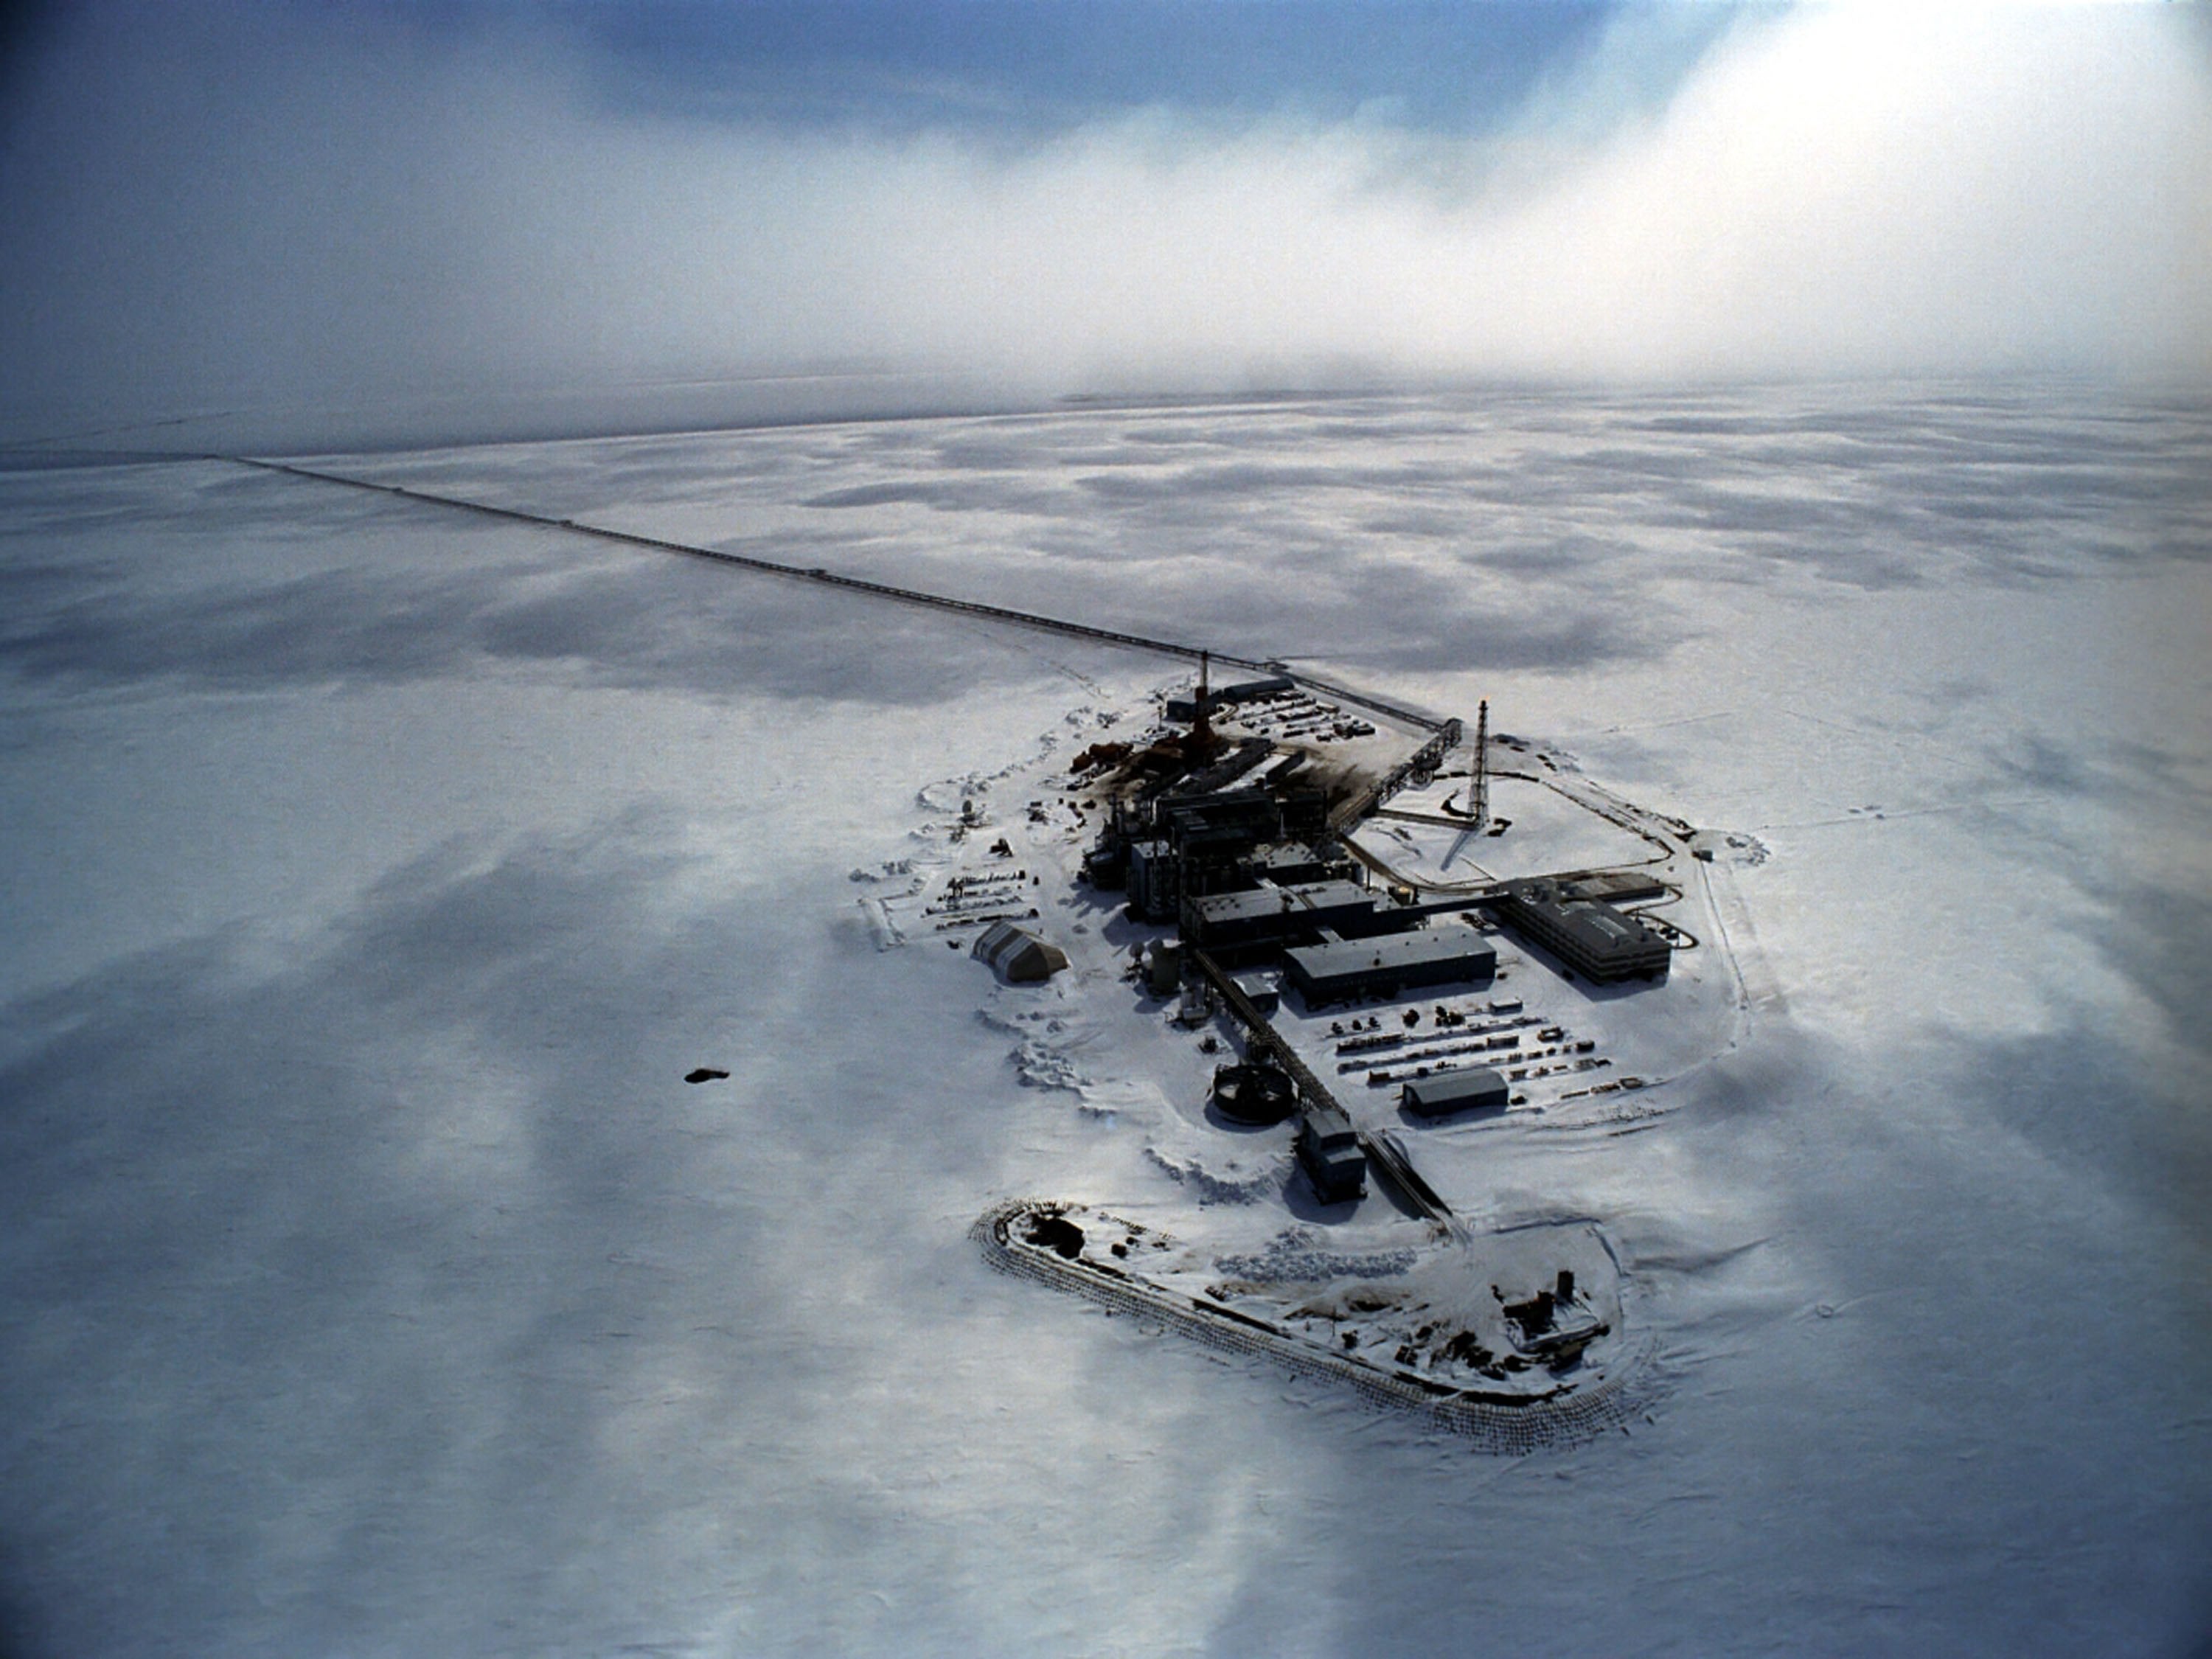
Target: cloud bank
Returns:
[[257, 209]]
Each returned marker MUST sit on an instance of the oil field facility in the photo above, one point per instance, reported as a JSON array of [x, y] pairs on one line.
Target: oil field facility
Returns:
[[1279, 876], [1241, 843]]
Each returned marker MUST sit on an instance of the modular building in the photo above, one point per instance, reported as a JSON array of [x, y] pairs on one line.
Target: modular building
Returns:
[[1447, 1092], [1340, 970], [1586, 933]]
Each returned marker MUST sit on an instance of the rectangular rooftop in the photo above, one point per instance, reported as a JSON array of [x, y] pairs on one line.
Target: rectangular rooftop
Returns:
[[1342, 969]]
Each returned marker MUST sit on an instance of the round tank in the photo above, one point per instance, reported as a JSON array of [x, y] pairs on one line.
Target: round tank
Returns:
[[1252, 1094]]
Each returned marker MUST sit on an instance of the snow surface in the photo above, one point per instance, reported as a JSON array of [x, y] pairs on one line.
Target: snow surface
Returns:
[[372, 1283], [1545, 832]]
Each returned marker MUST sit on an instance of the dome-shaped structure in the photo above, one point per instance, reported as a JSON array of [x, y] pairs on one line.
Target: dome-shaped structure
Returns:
[[1018, 958]]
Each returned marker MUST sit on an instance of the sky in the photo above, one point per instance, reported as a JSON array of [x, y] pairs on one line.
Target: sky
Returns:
[[278, 210]]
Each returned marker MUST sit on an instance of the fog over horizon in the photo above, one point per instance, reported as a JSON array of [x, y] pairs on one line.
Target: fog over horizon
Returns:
[[240, 208]]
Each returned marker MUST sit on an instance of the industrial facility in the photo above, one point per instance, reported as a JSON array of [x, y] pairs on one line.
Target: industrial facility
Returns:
[[1330, 1153], [1586, 932], [1268, 873], [1341, 969], [1238, 844]]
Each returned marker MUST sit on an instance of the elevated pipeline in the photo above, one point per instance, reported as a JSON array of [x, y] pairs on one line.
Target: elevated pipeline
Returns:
[[1001, 613]]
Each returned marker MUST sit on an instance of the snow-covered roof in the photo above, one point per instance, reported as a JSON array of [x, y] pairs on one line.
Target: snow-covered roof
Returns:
[[1444, 1092]]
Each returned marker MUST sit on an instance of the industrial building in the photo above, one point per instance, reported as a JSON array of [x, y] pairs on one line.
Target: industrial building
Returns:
[[1619, 886], [1273, 685], [1329, 1153], [1201, 824], [1447, 1092], [1294, 864], [1588, 934], [1262, 989], [1153, 877], [1018, 958], [1338, 970], [1240, 817], [1227, 925], [1182, 846]]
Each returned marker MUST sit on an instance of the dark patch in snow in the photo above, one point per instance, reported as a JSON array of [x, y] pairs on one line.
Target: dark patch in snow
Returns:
[[1056, 1233]]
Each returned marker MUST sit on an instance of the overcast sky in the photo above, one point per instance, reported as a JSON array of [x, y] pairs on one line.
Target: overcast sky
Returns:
[[255, 206]]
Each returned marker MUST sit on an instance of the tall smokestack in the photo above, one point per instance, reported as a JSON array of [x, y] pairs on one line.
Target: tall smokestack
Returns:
[[1201, 729]]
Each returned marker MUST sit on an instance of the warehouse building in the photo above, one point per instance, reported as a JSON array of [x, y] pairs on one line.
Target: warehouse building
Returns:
[[1448, 1092], [1587, 934], [1340, 970]]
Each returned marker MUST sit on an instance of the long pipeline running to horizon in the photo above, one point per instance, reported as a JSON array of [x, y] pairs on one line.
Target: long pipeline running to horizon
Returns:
[[1415, 718]]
